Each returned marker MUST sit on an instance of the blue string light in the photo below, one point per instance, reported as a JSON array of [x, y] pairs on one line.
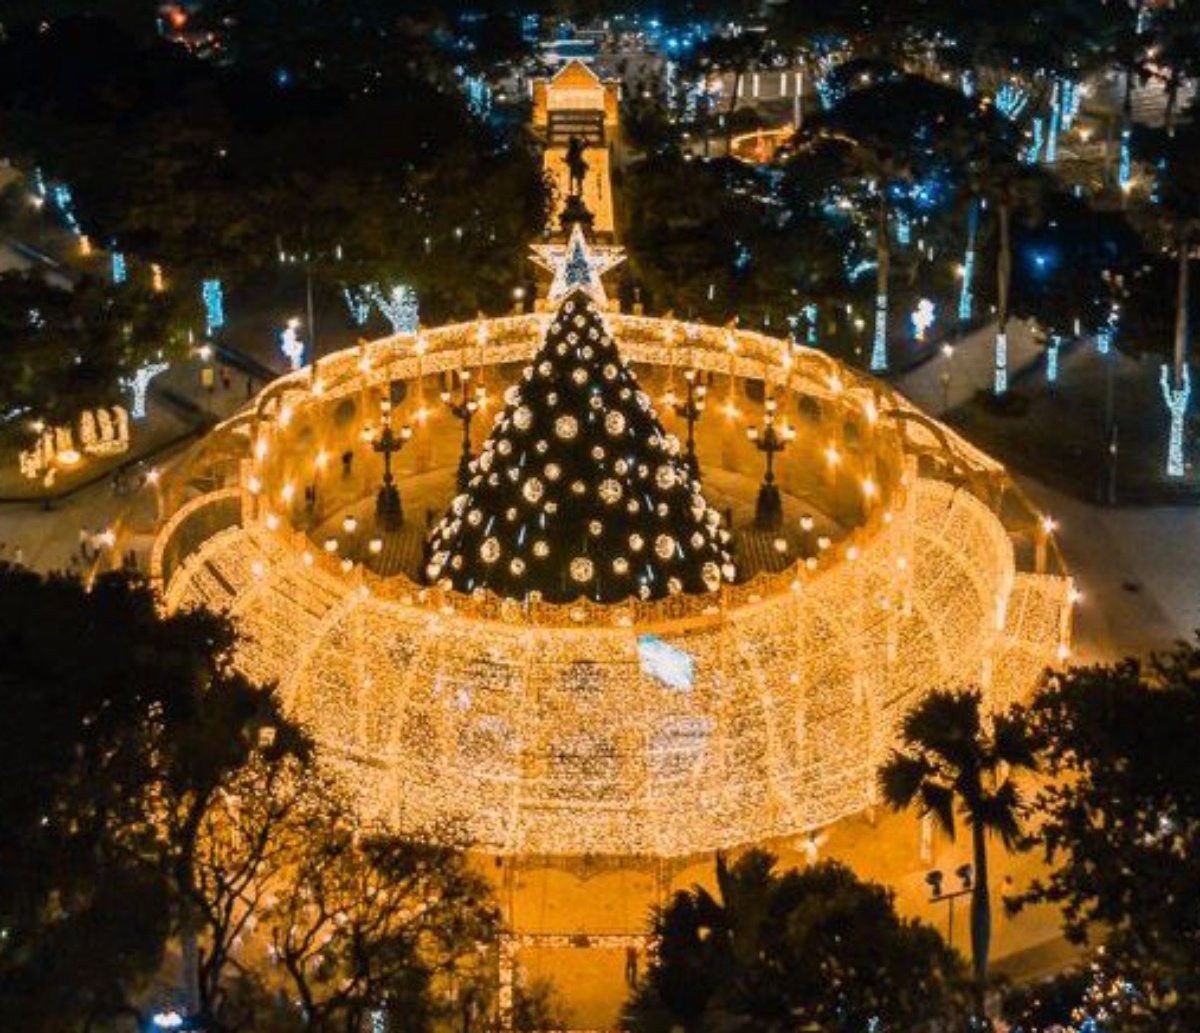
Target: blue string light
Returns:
[[1000, 383], [358, 302], [1176, 399], [1034, 150], [479, 96], [879, 356], [1052, 350], [1056, 110], [65, 204], [1125, 163], [1011, 100], [399, 306], [966, 296], [213, 296], [120, 273]]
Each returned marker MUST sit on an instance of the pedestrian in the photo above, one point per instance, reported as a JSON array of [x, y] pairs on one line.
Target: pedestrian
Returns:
[[631, 966], [347, 462], [19, 557]]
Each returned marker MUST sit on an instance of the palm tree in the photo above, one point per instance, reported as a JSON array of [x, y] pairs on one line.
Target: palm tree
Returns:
[[952, 762]]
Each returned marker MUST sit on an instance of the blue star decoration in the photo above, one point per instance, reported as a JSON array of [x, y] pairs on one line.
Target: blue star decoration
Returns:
[[577, 265]]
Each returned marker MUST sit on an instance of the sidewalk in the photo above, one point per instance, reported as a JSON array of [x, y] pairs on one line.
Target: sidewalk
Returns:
[[945, 382]]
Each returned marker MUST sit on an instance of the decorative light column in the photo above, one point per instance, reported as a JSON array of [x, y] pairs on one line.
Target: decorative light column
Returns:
[[464, 410], [691, 410], [768, 511], [388, 511]]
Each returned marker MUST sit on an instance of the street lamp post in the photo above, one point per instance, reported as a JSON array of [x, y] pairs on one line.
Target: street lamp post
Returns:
[[691, 409], [464, 410], [388, 511], [768, 511], [937, 894]]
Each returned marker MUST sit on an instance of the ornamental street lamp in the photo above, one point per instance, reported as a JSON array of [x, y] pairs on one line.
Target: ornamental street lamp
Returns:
[[465, 410], [768, 511], [937, 894], [388, 511], [691, 410]]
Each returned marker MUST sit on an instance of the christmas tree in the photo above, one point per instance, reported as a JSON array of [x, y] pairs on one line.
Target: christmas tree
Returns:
[[579, 491]]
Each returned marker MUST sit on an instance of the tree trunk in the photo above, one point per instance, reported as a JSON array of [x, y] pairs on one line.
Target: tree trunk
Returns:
[[879, 353], [734, 96], [1172, 103], [1181, 317], [981, 913], [1003, 280]]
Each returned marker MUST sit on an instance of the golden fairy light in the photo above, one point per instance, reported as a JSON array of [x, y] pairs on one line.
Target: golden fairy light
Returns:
[[664, 727]]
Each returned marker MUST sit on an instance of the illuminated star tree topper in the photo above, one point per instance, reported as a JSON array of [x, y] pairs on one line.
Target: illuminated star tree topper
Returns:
[[577, 265]]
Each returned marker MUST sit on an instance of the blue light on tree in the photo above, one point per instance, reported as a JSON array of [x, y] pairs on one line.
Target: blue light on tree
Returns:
[[859, 269], [1176, 399], [479, 96], [1072, 98], [1053, 345], [829, 89], [811, 325], [1034, 151], [1000, 380], [213, 296], [120, 272], [359, 303], [1056, 104], [1106, 335], [1125, 159], [398, 305], [65, 204], [966, 294], [879, 355], [1011, 100], [903, 227]]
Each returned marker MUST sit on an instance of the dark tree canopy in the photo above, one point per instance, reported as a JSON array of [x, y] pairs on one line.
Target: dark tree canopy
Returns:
[[65, 350], [120, 728], [1121, 822], [1067, 266], [812, 949], [214, 170]]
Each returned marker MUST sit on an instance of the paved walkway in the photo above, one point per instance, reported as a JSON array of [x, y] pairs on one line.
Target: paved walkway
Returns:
[[950, 379]]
